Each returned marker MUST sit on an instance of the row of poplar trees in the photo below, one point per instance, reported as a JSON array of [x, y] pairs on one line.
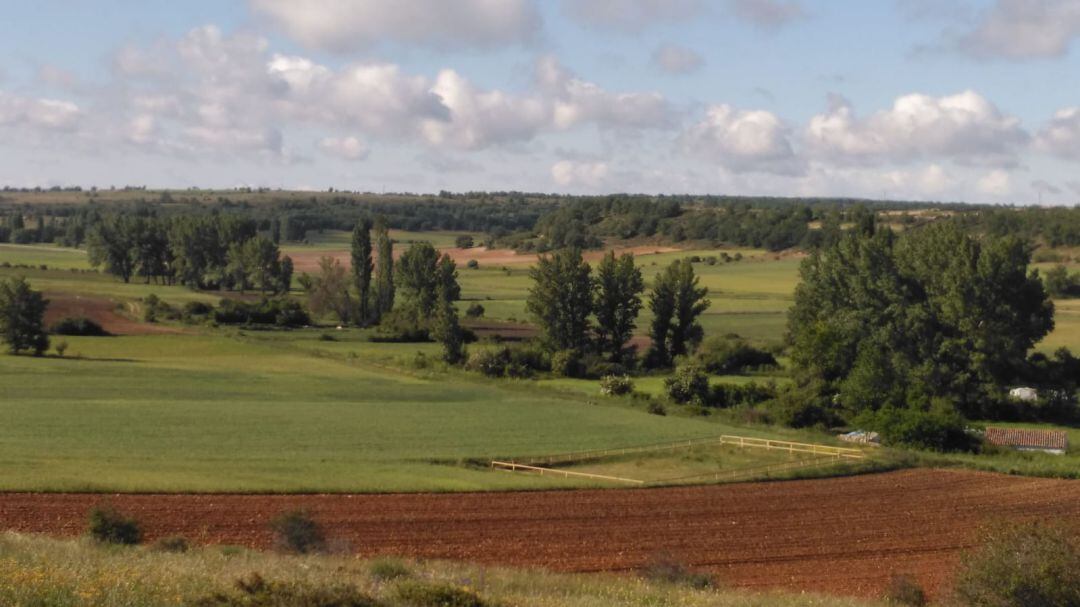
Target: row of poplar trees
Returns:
[[577, 311]]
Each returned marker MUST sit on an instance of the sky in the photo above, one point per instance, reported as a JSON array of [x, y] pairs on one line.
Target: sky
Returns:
[[951, 100]]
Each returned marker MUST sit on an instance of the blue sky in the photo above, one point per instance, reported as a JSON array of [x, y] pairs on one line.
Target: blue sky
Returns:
[[935, 100]]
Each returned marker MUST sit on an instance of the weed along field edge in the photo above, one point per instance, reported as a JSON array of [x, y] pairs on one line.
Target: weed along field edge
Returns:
[[846, 536]]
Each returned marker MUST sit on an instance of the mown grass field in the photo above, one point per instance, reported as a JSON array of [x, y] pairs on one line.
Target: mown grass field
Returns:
[[70, 573]]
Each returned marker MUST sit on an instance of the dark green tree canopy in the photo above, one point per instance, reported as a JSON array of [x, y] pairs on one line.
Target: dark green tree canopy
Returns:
[[881, 320], [618, 301], [22, 317], [561, 299]]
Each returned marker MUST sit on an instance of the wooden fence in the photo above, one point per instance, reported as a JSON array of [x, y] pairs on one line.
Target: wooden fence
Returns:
[[825, 454]]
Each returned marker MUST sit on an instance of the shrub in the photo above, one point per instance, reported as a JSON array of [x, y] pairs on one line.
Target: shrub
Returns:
[[398, 326], [656, 408], [474, 310], [196, 311], [903, 589], [428, 594], [61, 348], [173, 543], [472, 264], [723, 355], [688, 385], [1022, 564], [254, 591], [282, 312], [109, 526], [296, 531], [616, 385], [567, 363], [732, 395], [667, 570], [78, 325], [150, 308], [385, 569], [464, 241], [938, 428], [506, 361]]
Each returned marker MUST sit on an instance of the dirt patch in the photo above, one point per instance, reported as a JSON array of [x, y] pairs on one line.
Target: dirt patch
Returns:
[[842, 536], [100, 310], [308, 261]]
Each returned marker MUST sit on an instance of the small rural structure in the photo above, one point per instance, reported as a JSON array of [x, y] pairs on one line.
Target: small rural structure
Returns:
[[1028, 395], [1025, 439]]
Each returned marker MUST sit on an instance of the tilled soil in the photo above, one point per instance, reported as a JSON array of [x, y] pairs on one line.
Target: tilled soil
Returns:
[[842, 536], [102, 311]]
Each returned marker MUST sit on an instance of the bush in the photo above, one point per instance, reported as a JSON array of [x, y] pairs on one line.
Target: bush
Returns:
[[1022, 564], [506, 361], [78, 325], [732, 395], [667, 570], [464, 241], [254, 591], [616, 385], [297, 532], [61, 348], [567, 363], [472, 264], [385, 569], [656, 408], [196, 311], [109, 526], [723, 355], [939, 428], [282, 312], [397, 326], [688, 385], [474, 310], [428, 594], [173, 543], [903, 589]]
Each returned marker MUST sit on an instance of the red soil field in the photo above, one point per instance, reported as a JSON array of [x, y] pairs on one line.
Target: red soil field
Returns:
[[842, 536], [102, 311]]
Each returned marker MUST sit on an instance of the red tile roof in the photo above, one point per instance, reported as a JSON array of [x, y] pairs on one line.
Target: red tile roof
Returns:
[[1023, 437]]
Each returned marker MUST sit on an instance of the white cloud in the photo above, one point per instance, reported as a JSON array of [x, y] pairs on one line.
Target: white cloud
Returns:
[[767, 13], [1061, 137], [47, 114], [675, 59], [580, 175], [995, 183], [743, 141], [352, 25], [964, 127], [481, 118], [348, 148], [580, 101], [1024, 29], [630, 15]]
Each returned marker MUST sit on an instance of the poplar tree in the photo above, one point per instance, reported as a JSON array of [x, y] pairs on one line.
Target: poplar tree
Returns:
[[362, 269], [618, 300]]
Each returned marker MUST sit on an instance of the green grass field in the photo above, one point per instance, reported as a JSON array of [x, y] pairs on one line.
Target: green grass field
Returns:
[[325, 410]]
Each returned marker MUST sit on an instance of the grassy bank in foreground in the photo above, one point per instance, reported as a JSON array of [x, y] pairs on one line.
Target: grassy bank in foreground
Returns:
[[64, 573]]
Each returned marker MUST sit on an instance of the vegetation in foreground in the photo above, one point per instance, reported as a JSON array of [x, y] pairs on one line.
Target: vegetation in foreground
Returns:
[[76, 573]]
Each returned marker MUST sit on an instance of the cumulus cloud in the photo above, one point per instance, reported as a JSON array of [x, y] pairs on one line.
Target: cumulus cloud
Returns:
[[675, 59], [995, 183], [767, 13], [1061, 137], [47, 114], [1023, 29], [630, 15], [579, 101], [743, 141], [964, 127], [580, 174], [345, 26], [348, 148]]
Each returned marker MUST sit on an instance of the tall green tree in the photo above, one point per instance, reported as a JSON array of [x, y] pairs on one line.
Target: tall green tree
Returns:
[[384, 270], [22, 317], [362, 269], [447, 327], [618, 301], [677, 300], [881, 321], [328, 290], [561, 299]]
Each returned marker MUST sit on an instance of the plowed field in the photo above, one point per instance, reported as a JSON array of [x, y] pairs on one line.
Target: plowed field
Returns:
[[844, 535]]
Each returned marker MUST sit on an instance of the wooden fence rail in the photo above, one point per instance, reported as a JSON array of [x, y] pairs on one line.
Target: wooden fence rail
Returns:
[[514, 467]]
